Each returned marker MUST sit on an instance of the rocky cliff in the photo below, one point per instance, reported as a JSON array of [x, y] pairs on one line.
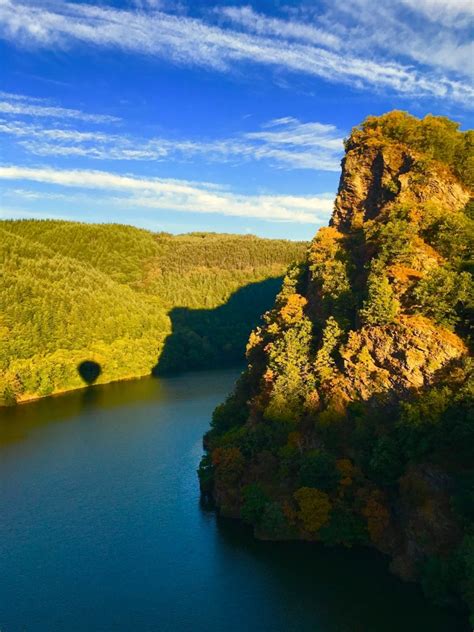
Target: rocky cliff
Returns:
[[353, 423]]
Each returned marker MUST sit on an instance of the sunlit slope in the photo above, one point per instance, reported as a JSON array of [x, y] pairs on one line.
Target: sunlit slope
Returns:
[[57, 312], [72, 292]]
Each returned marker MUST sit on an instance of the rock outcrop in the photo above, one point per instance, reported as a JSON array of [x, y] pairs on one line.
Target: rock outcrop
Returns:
[[353, 422]]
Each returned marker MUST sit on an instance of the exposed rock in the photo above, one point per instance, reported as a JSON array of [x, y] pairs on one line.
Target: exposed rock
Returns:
[[357, 365], [396, 358]]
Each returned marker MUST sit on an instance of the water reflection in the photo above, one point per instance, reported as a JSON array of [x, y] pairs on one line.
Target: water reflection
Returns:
[[17, 422], [102, 529], [334, 589]]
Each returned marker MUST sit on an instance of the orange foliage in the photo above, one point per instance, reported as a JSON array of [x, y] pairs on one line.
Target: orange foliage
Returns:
[[403, 274], [312, 401], [324, 245], [268, 376], [292, 311], [255, 339]]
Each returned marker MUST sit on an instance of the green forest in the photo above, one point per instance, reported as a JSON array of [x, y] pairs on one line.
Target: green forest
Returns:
[[128, 300], [353, 423]]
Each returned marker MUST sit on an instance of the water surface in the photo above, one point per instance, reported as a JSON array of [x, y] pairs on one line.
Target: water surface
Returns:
[[101, 530]]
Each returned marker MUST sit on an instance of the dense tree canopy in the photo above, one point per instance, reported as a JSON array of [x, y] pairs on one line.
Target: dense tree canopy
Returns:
[[127, 299]]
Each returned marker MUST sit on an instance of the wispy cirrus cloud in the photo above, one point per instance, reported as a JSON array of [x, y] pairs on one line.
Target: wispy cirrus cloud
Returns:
[[178, 195], [21, 213], [27, 106], [434, 33], [290, 29], [454, 12], [284, 44], [285, 143]]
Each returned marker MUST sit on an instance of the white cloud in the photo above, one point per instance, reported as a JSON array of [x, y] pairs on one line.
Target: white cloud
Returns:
[[191, 41], [180, 196], [19, 213], [448, 12], [285, 143], [288, 29], [17, 104], [10, 96], [430, 32], [290, 131], [29, 195]]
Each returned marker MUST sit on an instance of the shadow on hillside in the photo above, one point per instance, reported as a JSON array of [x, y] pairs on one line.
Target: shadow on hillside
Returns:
[[215, 338], [89, 371]]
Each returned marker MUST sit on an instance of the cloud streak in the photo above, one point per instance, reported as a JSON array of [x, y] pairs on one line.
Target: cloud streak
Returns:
[[180, 195], [185, 40], [22, 105], [285, 143], [434, 33]]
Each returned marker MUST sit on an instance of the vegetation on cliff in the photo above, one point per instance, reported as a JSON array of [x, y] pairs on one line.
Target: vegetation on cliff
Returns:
[[129, 300], [353, 422]]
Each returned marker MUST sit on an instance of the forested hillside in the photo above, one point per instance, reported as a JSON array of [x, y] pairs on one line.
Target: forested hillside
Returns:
[[122, 297], [354, 421]]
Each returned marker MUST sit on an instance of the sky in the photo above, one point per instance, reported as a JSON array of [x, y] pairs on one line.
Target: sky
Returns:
[[211, 116]]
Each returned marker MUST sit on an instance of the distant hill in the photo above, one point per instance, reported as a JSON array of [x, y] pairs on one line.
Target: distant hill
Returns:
[[122, 297]]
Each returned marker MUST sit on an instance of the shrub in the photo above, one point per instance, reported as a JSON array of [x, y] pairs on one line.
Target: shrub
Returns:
[[381, 306], [386, 464]]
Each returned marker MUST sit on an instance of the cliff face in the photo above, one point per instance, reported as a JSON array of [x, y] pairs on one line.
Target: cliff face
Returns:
[[353, 422], [375, 173]]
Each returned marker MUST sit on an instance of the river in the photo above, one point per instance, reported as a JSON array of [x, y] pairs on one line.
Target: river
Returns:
[[101, 529]]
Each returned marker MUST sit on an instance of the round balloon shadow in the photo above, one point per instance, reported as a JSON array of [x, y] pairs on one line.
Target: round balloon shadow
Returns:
[[89, 371]]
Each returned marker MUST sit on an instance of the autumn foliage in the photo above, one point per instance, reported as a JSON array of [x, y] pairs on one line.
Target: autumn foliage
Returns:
[[360, 378]]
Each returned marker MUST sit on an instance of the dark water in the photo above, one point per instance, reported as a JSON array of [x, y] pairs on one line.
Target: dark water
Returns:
[[101, 530]]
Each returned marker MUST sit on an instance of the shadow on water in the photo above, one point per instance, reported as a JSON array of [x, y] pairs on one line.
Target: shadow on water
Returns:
[[351, 590], [215, 338]]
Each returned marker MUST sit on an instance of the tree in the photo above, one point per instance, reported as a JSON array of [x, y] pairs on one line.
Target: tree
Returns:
[[319, 470], [440, 294], [344, 527], [386, 464], [254, 502], [292, 310], [273, 522], [229, 464], [325, 364], [314, 508], [381, 307]]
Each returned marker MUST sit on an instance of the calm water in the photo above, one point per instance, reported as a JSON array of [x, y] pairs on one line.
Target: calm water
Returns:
[[101, 529]]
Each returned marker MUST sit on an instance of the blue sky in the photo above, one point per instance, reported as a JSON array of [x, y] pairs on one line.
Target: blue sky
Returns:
[[183, 116]]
